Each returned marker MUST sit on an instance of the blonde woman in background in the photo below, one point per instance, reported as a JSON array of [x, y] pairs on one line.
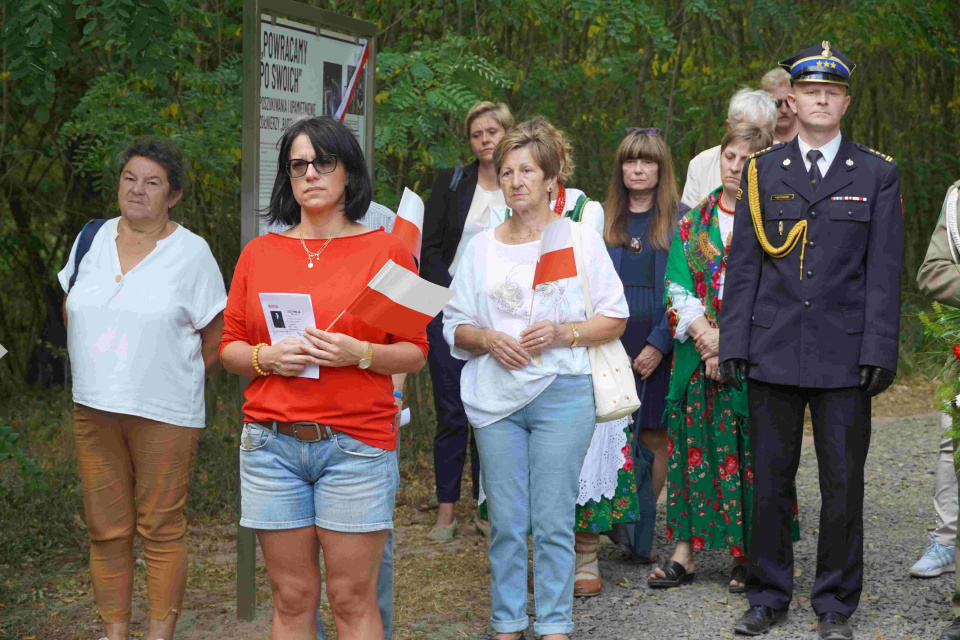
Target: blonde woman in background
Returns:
[[459, 207]]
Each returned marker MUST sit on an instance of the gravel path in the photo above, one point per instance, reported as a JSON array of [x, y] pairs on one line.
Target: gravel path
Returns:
[[898, 514]]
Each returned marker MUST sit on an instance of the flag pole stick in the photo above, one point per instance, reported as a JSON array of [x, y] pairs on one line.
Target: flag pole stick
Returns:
[[344, 311], [535, 354], [335, 320]]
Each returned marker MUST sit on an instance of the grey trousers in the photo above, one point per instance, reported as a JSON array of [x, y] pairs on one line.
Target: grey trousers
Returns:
[[945, 500]]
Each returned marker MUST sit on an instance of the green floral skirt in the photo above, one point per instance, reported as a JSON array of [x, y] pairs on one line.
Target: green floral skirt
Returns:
[[710, 470], [623, 508]]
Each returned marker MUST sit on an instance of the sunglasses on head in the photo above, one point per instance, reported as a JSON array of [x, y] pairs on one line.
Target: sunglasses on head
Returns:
[[650, 131]]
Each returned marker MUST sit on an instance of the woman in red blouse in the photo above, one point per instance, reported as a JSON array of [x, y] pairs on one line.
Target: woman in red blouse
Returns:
[[318, 463]]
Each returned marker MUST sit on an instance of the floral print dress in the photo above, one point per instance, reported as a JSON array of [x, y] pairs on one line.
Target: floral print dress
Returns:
[[597, 516], [710, 460]]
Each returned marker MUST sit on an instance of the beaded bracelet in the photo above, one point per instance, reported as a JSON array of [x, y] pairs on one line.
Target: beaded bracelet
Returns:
[[256, 364]]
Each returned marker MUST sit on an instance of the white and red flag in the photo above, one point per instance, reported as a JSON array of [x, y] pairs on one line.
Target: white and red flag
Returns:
[[409, 223], [556, 259], [360, 62], [399, 301]]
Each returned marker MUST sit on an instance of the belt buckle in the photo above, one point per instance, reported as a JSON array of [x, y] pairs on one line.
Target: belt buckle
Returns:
[[321, 433]]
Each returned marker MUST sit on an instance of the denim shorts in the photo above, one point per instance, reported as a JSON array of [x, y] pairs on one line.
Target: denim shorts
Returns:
[[339, 484]]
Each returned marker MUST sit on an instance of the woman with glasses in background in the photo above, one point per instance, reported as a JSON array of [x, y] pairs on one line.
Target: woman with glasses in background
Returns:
[[318, 466]]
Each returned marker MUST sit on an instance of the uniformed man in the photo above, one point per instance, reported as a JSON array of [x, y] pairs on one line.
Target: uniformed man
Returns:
[[811, 314]]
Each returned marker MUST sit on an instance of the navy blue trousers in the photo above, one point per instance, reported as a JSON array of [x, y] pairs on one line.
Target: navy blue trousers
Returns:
[[841, 435], [453, 433]]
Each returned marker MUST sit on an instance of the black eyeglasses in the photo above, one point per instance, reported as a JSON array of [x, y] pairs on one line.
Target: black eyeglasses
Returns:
[[779, 103], [650, 131], [323, 163]]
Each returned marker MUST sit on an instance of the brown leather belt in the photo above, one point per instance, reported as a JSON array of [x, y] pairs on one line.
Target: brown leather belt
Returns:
[[304, 431]]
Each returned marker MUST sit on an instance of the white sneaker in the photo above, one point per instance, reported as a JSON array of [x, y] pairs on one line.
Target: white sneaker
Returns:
[[937, 559]]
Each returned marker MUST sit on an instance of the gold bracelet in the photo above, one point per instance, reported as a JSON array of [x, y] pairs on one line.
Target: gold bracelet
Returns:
[[576, 335], [256, 364]]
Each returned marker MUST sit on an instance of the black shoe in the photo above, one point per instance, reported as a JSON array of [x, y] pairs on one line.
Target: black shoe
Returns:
[[834, 626], [952, 632], [674, 576], [758, 619], [738, 574]]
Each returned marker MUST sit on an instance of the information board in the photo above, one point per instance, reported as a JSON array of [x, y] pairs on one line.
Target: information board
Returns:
[[305, 73]]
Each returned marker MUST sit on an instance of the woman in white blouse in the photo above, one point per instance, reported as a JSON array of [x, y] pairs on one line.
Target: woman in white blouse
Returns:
[[144, 318], [526, 386]]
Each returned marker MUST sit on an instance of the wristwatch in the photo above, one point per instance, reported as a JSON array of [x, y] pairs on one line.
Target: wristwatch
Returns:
[[367, 358]]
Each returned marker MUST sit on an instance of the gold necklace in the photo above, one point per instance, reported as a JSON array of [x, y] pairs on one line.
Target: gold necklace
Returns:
[[529, 234], [313, 256]]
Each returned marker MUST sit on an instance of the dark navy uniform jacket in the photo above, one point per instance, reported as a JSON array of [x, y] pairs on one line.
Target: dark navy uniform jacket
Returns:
[[845, 312]]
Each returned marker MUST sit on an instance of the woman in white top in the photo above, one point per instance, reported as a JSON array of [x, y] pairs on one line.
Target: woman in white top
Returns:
[[144, 318], [526, 386], [459, 207]]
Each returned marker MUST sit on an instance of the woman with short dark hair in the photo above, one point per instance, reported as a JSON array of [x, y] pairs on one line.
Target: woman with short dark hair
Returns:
[[144, 317], [318, 466]]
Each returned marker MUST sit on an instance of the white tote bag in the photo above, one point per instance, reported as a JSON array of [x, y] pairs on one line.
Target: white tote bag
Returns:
[[614, 387]]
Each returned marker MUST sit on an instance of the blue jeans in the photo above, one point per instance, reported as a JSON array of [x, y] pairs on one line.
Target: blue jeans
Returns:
[[531, 470]]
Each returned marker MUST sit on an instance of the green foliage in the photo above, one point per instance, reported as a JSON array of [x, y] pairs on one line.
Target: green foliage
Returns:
[[942, 329], [422, 97], [38, 520], [40, 497], [142, 30], [200, 119], [34, 38], [10, 452]]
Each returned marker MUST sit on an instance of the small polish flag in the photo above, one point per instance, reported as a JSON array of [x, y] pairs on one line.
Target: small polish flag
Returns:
[[556, 259], [399, 301], [409, 223]]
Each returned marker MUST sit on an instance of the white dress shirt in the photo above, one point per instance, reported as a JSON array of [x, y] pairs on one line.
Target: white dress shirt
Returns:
[[828, 150]]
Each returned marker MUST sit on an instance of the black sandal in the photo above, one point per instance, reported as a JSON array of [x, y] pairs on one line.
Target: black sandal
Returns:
[[674, 576], [738, 573]]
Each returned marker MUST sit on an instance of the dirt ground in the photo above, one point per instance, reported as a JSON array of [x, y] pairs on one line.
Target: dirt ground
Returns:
[[441, 590]]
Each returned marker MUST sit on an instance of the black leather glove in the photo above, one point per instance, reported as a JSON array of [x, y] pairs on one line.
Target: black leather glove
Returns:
[[729, 370], [875, 380]]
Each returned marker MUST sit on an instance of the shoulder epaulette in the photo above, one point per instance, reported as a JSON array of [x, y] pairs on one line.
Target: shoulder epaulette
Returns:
[[874, 152], [775, 145]]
